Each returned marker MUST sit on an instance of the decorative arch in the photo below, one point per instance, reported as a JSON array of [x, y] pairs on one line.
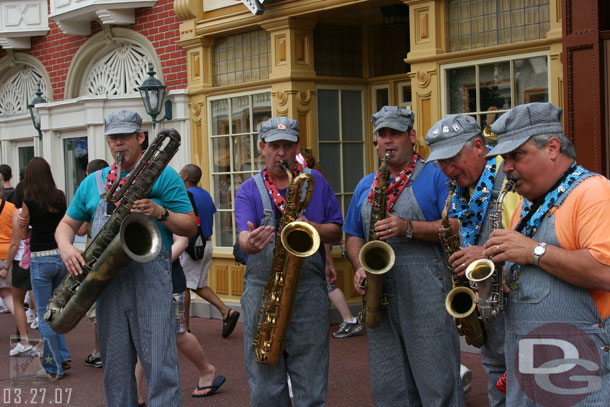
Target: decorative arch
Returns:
[[20, 75], [112, 62]]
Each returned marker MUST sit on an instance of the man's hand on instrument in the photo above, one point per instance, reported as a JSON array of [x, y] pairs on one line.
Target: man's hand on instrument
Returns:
[[508, 245], [391, 226], [260, 237], [462, 258], [359, 276], [148, 207], [72, 258]]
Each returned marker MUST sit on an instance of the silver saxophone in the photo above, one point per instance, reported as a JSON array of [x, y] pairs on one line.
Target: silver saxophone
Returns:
[[487, 275]]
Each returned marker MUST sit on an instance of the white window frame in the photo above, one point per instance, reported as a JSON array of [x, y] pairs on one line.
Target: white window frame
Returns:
[[507, 58], [210, 170]]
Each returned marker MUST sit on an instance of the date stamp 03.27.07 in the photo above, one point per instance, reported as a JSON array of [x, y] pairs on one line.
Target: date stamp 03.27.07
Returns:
[[38, 396]]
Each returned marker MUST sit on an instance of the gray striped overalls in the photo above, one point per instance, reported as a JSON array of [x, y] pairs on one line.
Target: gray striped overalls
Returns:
[[543, 301], [414, 353], [492, 352], [305, 355], [135, 316]]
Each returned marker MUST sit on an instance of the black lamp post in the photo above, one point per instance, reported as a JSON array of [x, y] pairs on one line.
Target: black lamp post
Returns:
[[34, 114], [152, 92]]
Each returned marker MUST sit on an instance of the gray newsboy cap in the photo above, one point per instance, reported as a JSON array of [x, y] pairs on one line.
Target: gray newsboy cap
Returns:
[[279, 128], [393, 117], [122, 122], [447, 136], [520, 123]]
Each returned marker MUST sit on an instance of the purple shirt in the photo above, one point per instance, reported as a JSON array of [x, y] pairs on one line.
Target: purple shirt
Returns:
[[323, 207]]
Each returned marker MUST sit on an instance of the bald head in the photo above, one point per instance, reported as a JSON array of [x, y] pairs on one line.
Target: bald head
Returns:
[[191, 174]]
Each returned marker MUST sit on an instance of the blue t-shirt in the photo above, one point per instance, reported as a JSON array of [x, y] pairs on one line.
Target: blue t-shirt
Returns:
[[205, 209], [430, 189], [323, 207], [168, 191]]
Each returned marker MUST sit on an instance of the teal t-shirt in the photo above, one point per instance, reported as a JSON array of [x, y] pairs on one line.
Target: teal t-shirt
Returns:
[[168, 191]]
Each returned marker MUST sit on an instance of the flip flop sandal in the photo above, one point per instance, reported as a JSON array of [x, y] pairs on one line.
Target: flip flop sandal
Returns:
[[228, 324], [218, 381]]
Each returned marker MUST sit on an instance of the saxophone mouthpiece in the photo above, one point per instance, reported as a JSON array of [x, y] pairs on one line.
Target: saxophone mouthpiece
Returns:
[[284, 165]]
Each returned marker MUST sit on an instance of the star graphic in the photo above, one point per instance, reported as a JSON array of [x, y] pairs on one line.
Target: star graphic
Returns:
[[48, 359]]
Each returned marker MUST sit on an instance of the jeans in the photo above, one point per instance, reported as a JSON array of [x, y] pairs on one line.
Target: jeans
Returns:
[[46, 273]]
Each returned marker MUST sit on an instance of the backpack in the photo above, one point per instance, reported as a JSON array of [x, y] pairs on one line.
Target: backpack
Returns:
[[196, 247]]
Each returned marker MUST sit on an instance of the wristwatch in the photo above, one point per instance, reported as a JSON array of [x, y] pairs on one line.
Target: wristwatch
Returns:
[[539, 251], [409, 234], [164, 215]]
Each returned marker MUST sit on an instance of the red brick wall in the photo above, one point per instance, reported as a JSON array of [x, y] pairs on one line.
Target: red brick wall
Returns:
[[159, 24]]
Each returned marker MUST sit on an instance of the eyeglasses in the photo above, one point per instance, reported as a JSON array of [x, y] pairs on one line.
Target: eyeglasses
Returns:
[[113, 138], [451, 161]]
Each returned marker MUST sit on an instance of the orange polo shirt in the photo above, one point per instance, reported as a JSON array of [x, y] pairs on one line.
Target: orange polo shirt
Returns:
[[583, 222], [6, 228]]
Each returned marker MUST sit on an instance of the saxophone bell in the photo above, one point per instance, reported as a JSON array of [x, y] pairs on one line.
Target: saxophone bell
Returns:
[[377, 257], [480, 270], [300, 239], [460, 302]]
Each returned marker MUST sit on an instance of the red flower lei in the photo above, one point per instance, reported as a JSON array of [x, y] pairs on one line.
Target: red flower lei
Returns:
[[398, 184], [274, 193]]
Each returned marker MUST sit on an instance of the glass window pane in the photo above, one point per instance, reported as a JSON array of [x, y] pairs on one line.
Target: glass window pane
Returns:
[[223, 228], [241, 153], [329, 160], [220, 116], [494, 86], [347, 199], [353, 165], [351, 114], [240, 113], [461, 90], [382, 98], [222, 191], [25, 155], [531, 80], [328, 115], [222, 154], [75, 160]]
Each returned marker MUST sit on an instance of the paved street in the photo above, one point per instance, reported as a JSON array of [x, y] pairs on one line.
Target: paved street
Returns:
[[348, 383]]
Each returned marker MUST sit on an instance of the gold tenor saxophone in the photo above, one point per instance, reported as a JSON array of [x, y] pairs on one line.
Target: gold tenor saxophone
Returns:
[[295, 240], [124, 237], [461, 301], [489, 277], [376, 257]]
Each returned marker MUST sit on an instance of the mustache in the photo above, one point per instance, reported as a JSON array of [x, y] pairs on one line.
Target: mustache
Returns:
[[513, 177]]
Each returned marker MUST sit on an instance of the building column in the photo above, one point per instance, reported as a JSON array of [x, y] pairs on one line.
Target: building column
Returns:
[[426, 36], [293, 74]]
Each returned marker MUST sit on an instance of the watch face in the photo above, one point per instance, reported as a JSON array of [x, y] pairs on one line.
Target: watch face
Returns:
[[539, 250]]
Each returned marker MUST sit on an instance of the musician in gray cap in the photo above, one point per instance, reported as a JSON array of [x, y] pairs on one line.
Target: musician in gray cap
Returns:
[[135, 314], [414, 355], [260, 205], [458, 146], [557, 256]]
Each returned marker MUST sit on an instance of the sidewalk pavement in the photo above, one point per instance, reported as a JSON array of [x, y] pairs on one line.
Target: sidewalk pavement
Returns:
[[348, 382]]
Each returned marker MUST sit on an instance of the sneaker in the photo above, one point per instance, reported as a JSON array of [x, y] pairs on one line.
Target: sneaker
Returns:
[[43, 374], [93, 361], [466, 375], [347, 329], [19, 349], [3, 309], [30, 314], [34, 324]]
